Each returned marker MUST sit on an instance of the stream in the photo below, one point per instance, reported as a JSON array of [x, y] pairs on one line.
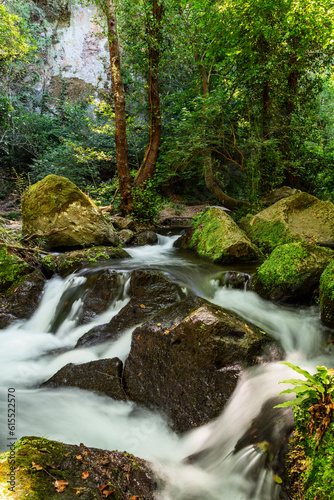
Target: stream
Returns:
[[30, 354]]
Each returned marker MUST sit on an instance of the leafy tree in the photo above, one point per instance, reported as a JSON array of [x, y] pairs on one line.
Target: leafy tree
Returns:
[[13, 41]]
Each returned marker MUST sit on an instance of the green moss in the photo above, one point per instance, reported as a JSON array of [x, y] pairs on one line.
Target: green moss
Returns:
[[62, 193], [327, 295], [310, 472], [282, 267], [11, 269], [270, 234]]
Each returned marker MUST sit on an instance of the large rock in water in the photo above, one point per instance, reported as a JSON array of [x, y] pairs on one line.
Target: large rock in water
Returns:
[[150, 292], [292, 272], [300, 217], [186, 360], [217, 237], [56, 203], [49, 470], [327, 295]]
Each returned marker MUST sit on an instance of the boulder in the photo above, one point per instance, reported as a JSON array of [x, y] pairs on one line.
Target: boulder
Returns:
[[292, 272], [103, 376], [57, 203], [327, 295], [278, 194], [123, 223], [46, 469], [186, 360], [69, 262], [23, 297], [237, 280], [150, 292], [126, 235], [300, 217], [147, 237], [216, 236]]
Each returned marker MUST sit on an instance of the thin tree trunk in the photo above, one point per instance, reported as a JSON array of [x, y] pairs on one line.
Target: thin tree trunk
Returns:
[[149, 164], [119, 104]]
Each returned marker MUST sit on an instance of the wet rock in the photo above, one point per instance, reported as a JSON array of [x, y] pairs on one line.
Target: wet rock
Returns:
[[186, 361], [126, 235], [292, 272], [278, 194], [234, 279], [146, 238], [123, 223], [103, 376], [69, 262], [327, 295], [300, 217], [57, 203], [150, 292], [216, 236], [43, 466]]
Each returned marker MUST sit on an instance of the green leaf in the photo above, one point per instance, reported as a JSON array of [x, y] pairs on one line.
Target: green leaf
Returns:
[[302, 372]]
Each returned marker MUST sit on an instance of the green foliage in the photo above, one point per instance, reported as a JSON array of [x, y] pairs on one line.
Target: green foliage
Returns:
[[146, 202], [13, 40], [314, 389], [103, 193]]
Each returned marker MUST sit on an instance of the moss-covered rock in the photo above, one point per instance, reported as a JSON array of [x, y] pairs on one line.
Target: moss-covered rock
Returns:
[[69, 262], [12, 268], [292, 272], [216, 236], [57, 203], [327, 295], [186, 360], [46, 470], [300, 217]]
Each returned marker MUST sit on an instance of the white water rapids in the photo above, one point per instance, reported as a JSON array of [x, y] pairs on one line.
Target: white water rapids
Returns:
[[30, 355]]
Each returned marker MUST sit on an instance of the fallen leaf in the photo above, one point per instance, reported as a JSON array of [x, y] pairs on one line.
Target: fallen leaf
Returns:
[[135, 497], [79, 457], [107, 493], [142, 306], [51, 465], [36, 466], [60, 486], [84, 475], [138, 337]]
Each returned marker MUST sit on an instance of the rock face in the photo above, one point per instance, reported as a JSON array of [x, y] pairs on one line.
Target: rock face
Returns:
[[50, 470], [300, 217], [292, 272], [69, 262], [146, 238], [185, 361], [217, 237], [327, 295], [56, 203], [103, 376], [150, 292]]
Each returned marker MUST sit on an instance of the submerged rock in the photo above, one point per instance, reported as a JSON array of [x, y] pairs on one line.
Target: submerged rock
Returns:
[[57, 203], [148, 237], [103, 376], [292, 272], [300, 217], [49, 470], [186, 360], [217, 237], [327, 295], [150, 292]]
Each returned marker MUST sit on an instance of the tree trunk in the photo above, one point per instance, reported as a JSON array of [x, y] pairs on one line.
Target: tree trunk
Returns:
[[149, 164], [119, 104]]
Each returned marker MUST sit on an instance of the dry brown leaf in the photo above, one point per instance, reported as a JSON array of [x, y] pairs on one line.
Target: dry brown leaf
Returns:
[[79, 457], [142, 306], [60, 485], [51, 465], [107, 493], [84, 475], [134, 497], [36, 466]]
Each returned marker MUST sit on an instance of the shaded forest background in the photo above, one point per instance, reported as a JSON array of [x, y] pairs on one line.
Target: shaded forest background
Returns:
[[240, 93]]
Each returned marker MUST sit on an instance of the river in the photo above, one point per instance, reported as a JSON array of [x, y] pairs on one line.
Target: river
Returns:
[[30, 354]]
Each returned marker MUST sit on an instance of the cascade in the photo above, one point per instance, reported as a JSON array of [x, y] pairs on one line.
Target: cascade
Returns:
[[218, 461]]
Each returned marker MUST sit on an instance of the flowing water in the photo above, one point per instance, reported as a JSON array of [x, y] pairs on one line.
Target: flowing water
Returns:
[[30, 354]]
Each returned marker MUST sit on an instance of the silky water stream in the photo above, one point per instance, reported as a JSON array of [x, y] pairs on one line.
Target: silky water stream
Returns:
[[30, 354]]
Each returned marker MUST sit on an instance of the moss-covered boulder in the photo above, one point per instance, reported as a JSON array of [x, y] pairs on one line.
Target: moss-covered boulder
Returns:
[[292, 272], [216, 236], [300, 217], [101, 376], [327, 295], [186, 361], [69, 262], [150, 292], [40, 469], [57, 203]]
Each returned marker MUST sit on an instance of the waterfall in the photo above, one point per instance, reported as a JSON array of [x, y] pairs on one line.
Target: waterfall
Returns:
[[209, 463]]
